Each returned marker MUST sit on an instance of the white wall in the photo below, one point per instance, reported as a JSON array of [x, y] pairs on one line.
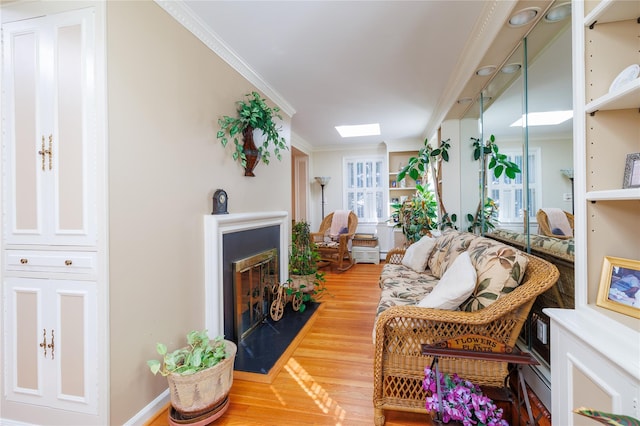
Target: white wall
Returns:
[[331, 163]]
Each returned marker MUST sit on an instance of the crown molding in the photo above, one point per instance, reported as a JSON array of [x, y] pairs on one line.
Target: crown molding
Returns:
[[185, 17], [494, 14]]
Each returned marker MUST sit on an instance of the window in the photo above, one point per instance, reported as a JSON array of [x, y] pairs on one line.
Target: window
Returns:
[[508, 193], [364, 191]]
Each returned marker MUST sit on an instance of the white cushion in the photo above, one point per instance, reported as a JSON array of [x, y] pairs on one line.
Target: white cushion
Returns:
[[455, 286], [417, 254]]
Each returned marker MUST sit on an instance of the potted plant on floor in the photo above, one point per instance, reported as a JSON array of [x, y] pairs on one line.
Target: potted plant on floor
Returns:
[[253, 114], [199, 375], [305, 281]]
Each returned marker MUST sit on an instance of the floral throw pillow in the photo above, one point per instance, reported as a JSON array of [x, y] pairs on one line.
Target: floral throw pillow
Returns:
[[500, 270], [440, 250]]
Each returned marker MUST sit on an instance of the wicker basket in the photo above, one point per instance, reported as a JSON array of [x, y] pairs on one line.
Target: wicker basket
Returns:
[[198, 393], [364, 240]]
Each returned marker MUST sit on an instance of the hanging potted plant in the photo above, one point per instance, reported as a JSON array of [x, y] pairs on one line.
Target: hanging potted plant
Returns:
[[304, 279], [253, 114], [199, 374]]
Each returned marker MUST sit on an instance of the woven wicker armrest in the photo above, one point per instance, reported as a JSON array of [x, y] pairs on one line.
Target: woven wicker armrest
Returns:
[[395, 255], [317, 237]]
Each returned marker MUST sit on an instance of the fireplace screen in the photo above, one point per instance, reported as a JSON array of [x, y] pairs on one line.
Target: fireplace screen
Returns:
[[254, 280]]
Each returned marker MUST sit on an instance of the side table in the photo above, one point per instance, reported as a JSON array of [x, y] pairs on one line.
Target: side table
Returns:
[[362, 254], [513, 356]]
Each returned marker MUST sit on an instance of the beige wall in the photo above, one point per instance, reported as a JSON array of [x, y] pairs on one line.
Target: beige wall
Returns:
[[166, 91]]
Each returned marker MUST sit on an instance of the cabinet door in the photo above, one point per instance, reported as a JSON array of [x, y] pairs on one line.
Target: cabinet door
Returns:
[[50, 343], [49, 129]]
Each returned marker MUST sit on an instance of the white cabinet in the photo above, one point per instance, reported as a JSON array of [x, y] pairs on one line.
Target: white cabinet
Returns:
[[50, 349], [53, 360], [595, 351], [49, 129]]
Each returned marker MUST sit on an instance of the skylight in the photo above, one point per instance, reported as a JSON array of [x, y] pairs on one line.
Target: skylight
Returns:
[[359, 130], [548, 118]]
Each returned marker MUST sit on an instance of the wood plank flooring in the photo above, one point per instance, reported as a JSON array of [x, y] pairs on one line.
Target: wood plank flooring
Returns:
[[328, 380]]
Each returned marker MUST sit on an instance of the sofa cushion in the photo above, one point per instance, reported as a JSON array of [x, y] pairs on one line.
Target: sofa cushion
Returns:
[[403, 286], [440, 250], [447, 249], [455, 286], [500, 269], [417, 254]]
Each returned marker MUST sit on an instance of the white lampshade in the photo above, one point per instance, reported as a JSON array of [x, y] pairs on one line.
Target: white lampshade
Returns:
[[323, 180]]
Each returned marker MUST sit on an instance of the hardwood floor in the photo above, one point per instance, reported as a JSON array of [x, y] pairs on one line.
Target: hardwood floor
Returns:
[[328, 380]]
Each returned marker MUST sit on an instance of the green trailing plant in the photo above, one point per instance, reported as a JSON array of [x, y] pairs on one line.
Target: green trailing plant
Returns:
[[199, 354], [429, 160], [254, 113], [303, 261], [486, 214]]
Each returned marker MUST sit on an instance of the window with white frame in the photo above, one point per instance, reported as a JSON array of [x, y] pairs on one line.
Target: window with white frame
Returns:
[[508, 193], [363, 188]]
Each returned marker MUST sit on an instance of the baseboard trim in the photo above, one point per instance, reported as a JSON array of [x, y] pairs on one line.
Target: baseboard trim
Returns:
[[150, 411]]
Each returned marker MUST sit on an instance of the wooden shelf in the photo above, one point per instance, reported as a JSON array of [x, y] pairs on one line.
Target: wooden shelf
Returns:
[[614, 195], [627, 97], [612, 11]]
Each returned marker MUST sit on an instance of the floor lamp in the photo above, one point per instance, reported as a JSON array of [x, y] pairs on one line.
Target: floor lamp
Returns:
[[323, 180]]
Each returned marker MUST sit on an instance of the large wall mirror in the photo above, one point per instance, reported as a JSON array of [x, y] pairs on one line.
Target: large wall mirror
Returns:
[[538, 92], [527, 107]]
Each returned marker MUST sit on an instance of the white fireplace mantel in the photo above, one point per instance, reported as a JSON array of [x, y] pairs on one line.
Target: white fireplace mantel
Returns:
[[215, 226]]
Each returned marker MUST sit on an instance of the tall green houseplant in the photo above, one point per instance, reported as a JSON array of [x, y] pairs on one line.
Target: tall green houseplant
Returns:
[[305, 280]]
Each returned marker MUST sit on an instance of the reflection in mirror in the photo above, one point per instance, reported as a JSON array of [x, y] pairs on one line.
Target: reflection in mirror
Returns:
[[531, 113], [548, 93], [469, 170], [504, 105]]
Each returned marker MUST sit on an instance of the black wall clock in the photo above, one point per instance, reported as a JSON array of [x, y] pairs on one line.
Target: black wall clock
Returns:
[[220, 202]]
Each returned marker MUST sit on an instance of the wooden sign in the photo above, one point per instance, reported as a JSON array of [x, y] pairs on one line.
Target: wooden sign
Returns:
[[474, 342]]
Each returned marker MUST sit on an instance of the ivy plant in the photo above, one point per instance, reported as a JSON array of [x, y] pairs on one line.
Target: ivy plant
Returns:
[[253, 113], [199, 354]]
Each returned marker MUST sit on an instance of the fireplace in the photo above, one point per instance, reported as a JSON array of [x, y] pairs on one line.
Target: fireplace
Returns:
[[229, 239], [254, 280]]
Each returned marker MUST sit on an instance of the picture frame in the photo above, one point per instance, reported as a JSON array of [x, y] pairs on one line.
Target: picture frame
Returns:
[[619, 288], [632, 171]]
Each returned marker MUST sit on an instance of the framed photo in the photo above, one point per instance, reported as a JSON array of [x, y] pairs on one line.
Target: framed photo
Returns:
[[632, 171], [619, 288]]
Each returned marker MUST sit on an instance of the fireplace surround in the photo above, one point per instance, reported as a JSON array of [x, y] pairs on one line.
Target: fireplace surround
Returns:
[[227, 239]]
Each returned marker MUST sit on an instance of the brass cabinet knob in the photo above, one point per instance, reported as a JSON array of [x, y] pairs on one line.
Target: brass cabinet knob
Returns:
[[24, 261], [68, 262]]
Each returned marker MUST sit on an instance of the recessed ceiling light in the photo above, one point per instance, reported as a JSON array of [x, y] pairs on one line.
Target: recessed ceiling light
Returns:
[[484, 71], [523, 17], [510, 68], [359, 130], [558, 13], [548, 118]]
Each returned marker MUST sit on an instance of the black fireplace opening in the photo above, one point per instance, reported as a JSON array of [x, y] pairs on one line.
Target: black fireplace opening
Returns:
[[238, 246]]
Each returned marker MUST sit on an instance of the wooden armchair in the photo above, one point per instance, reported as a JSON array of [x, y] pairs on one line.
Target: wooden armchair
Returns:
[[400, 332], [335, 250]]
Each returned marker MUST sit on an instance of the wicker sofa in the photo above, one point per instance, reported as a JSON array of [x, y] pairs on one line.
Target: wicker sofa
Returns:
[[402, 327]]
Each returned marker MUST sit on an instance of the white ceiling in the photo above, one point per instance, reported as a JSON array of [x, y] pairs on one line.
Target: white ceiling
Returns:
[[349, 62]]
